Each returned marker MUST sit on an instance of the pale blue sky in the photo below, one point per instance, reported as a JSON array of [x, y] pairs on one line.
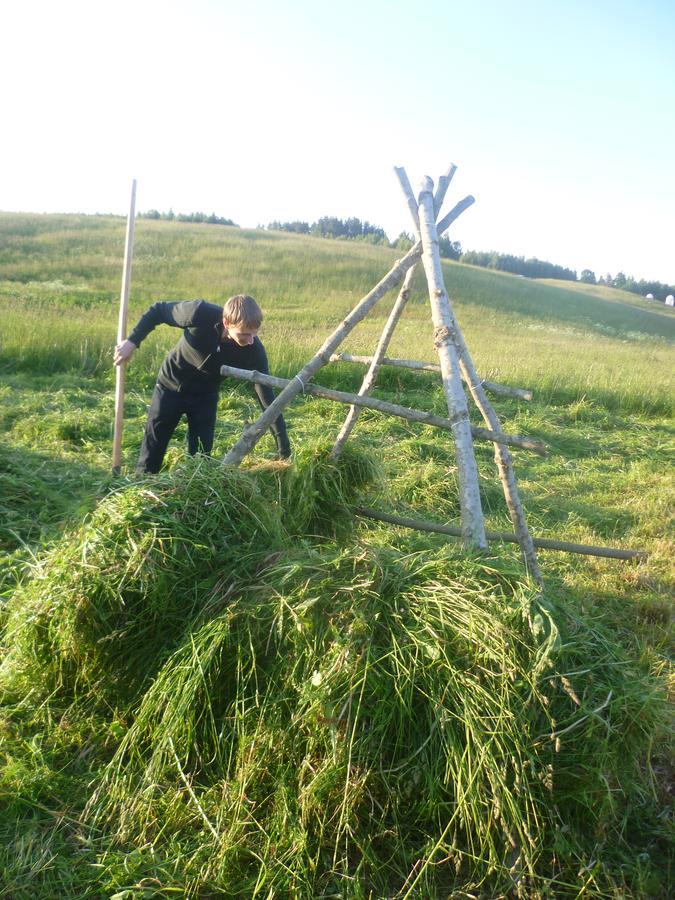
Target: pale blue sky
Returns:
[[558, 115]]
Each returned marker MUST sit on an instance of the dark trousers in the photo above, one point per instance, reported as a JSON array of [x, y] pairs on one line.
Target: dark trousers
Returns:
[[167, 407]]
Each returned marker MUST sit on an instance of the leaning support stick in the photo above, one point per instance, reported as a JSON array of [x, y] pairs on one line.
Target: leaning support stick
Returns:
[[507, 537], [374, 368], [468, 372], [444, 340], [501, 390], [392, 409], [122, 333]]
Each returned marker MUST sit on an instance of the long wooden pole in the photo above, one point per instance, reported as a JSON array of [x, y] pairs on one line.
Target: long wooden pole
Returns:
[[473, 526], [501, 390], [506, 536], [392, 409], [374, 368], [468, 372], [502, 457], [122, 333]]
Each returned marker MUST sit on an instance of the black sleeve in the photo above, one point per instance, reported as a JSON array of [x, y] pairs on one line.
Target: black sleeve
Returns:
[[265, 396], [181, 314]]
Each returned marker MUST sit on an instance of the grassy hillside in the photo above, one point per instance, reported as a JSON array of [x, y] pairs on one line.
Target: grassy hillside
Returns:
[[66, 271], [591, 664]]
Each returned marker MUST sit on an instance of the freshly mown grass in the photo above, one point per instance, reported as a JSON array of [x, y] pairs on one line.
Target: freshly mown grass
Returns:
[[312, 718], [247, 668]]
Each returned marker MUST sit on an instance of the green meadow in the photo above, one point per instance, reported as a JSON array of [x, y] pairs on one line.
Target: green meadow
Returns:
[[221, 683]]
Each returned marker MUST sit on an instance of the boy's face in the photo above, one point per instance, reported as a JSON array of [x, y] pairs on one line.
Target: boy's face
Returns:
[[241, 334]]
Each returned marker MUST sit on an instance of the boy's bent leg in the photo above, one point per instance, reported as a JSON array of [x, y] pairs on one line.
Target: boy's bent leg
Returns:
[[201, 416], [166, 408]]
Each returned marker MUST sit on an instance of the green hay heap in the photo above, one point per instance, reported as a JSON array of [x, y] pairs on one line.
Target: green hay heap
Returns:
[[298, 718]]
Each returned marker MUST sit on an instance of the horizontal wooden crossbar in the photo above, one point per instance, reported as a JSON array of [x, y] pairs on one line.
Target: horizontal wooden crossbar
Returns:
[[392, 409], [543, 543], [500, 390]]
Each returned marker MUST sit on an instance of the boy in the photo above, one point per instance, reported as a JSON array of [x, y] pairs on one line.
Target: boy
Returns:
[[189, 378]]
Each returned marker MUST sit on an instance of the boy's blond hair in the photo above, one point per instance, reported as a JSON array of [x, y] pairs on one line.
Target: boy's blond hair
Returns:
[[243, 311]]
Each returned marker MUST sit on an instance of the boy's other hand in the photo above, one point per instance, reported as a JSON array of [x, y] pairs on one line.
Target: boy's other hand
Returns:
[[123, 352]]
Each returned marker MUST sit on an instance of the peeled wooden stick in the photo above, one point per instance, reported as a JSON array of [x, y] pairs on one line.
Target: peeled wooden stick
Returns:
[[122, 333], [500, 390], [371, 375], [473, 526], [392, 409], [507, 537]]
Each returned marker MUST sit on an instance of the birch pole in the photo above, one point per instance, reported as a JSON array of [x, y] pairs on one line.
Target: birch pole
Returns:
[[375, 364], [122, 333], [507, 537], [255, 431], [501, 390], [473, 526], [503, 459], [392, 409], [442, 188]]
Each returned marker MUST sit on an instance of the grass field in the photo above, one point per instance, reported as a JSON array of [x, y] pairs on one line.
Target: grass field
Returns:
[[600, 364]]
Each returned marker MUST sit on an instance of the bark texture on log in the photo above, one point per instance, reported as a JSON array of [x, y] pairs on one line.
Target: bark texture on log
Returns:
[[506, 536], [501, 390], [469, 495], [375, 362], [503, 461], [392, 409]]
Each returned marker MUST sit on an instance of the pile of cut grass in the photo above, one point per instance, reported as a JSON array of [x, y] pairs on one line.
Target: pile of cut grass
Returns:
[[289, 716]]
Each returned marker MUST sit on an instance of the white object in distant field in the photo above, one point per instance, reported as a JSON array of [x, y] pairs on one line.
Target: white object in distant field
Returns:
[[649, 296], [670, 300]]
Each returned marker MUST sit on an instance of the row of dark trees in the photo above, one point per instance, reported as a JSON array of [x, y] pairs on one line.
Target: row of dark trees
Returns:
[[332, 227], [354, 229], [518, 265], [623, 282], [200, 217]]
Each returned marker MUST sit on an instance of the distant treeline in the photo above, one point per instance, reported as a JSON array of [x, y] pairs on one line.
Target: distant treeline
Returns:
[[518, 265], [331, 226], [354, 229], [657, 289], [201, 217]]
